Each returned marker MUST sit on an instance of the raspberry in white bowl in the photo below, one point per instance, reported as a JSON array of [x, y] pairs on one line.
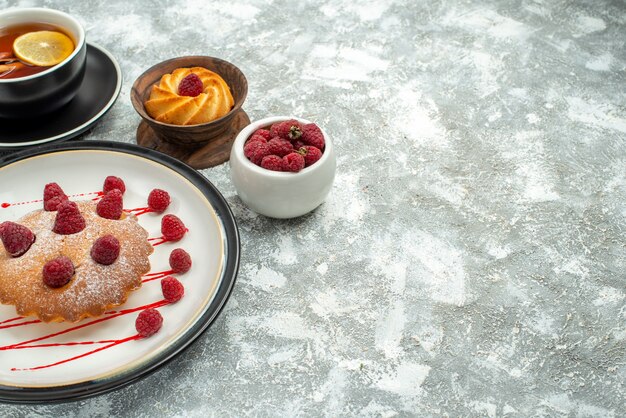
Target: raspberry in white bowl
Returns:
[[287, 146], [282, 167]]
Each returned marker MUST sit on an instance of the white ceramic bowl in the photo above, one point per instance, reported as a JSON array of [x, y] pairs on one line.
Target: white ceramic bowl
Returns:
[[278, 194]]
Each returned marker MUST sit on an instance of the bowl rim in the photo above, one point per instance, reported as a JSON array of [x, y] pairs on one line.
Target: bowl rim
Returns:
[[140, 108], [246, 132], [78, 47]]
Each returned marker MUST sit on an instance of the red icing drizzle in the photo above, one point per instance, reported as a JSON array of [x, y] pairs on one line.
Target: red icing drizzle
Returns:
[[67, 360], [140, 211], [111, 315], [7, 204], [34, 321], [155, 276], [98, 195], [110, 343], [11, 319], [22, 347], [159, 241], [162, 240]]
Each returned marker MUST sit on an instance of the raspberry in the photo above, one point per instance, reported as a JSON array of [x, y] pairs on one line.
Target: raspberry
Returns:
[[112, 182], [190, 86], [272, 162], [173, 290], [69, 219], [264, 133], [16, 238], [254, 138], [172, 228], [255, 151], [293, 162], [105, 250], [297, 144], [158, 200], [312, 135], [279, 146], [289, 129], [53, 195], [180, 261], [148, 322], [311, 154], [58, 272], [111, 205]]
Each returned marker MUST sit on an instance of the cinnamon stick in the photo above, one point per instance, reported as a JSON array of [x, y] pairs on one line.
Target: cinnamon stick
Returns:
[[7, 68]]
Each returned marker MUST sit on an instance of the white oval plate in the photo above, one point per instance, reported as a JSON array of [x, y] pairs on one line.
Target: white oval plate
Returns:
[[212, 242]]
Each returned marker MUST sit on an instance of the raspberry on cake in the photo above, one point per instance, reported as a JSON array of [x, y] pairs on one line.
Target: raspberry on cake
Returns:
[[53, 195], [58, 272], [112, 182], [68, 219], [16, 238], [105, 250], [111, 206]]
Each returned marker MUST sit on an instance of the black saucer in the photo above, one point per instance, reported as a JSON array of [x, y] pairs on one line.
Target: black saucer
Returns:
[[96, 95]]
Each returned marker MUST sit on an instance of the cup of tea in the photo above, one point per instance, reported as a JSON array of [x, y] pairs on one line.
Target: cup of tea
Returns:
[[42, 61]]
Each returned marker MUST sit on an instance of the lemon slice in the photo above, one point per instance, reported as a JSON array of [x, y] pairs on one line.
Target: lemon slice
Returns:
[[43, 48]]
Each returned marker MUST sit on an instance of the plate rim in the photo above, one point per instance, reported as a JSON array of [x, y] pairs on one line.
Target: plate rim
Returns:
[[90, 388], [89, 123]]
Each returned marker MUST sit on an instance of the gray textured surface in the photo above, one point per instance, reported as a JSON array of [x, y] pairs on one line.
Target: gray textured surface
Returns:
[[470, 259]]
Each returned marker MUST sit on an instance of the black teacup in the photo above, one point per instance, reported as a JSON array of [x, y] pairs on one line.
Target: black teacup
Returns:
[[46, 91]]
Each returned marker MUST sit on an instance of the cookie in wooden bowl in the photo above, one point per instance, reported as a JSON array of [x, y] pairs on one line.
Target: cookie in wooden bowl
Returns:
[[198, 123]]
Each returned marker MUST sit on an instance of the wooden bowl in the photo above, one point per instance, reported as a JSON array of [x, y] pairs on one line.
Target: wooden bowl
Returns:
[[190, 136]]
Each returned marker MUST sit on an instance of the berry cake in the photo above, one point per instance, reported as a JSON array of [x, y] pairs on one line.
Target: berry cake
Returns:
[[48, 266]]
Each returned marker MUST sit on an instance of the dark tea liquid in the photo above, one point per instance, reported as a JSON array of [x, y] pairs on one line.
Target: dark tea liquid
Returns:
[[10, 65]]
